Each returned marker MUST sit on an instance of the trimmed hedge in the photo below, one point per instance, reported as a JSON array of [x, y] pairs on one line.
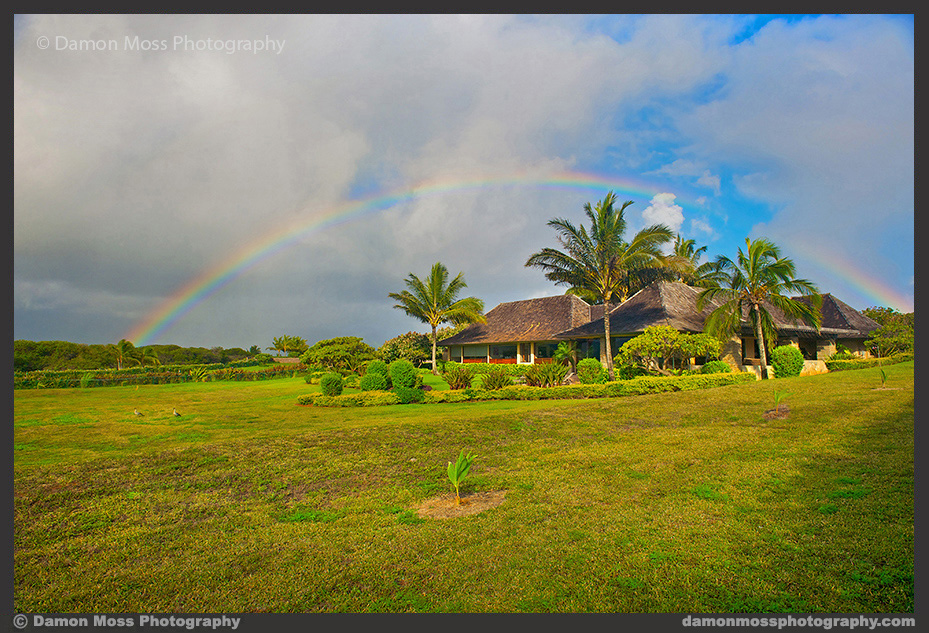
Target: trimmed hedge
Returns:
[[864, 363], [634, 387], [513, 369], [363, 399], [169, 374]]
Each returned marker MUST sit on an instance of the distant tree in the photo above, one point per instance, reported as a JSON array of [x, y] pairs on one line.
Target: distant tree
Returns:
[[435, 301], [346, 354], [125, 351], [148, 356], [254, 349], [289, 345], [598, 264], [411, 346], [895, 333], [758, 278]]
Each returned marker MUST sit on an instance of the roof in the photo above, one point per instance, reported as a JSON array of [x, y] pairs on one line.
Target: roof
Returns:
[[839, 320], [661, 303], [529, 320]]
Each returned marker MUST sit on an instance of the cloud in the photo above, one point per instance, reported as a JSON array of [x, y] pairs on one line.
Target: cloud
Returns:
[[663, 210]]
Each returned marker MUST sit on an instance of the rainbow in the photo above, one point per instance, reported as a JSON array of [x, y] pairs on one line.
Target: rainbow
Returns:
[[211, 280]]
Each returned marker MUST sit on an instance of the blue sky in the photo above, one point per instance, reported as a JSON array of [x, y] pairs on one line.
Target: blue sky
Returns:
[[135, 171]]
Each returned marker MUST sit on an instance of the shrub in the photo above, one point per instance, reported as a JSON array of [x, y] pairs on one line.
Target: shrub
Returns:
[[351, 381], [546, 374], [590, 371], [377, 367], [457, 376], [408, 395], [715, 367], [373, 381], [403, 373], [496, 378], [331, 384], [787, 361]]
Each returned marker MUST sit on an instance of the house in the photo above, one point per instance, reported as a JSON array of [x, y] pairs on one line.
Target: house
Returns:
[[529, 331]]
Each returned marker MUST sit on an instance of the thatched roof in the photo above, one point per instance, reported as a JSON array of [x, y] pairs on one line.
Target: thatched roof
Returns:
[[530, 320], [661, 303]]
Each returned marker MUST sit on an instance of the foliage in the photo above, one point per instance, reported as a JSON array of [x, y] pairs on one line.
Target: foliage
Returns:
[[590, 371], [598, 264], [362, 399], [409, 395], [289, 345], [787, 361], [546, 374], [412, 346], [566, 354], [403, 374], [264, 359], [459, 470], [373, 381], [761, 277], [458, 376], [331, 384], [344, 354], [715, 367], [513, 369], [659, 345], [496, 378], [377, 366], [199, 374], [895, 333], [864, 363], [435, 301]]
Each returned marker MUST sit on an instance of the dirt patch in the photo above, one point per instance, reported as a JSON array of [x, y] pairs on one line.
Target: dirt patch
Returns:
[[444, 506], [779, 413]]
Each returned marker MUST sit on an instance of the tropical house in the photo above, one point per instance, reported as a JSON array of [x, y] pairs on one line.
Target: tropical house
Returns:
[[529, 331]]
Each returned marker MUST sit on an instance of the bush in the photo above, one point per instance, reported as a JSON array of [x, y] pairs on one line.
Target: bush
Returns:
[[457, 376], [373, 382], [408, 395], [496, 378], [715, 367], [377, 367], [590, 371], [331, 384], [546, 374], [403, 373], [787, 361]]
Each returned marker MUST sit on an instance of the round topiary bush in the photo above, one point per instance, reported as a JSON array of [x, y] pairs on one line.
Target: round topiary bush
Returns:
[[715, 367], [409, 395], [787, 361], [590, 371], [373, 381], [377, 367], [331, 384], [402, 373]]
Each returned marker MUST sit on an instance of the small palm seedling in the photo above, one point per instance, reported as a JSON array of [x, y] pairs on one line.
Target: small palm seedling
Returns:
[[458, 471], [883, 379], [777, 399]]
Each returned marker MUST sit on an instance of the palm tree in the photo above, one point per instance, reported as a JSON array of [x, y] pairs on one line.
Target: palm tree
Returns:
[[684, 265], [760, 277], [124, 351], [600, 264], [434, 301], [149, 355]]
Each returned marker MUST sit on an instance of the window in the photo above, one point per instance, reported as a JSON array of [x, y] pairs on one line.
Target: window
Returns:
[[588, 348], [503, 351], [474, 351], [545, 350]]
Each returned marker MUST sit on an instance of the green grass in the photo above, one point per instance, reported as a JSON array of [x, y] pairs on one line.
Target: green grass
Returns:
[[677, 502]]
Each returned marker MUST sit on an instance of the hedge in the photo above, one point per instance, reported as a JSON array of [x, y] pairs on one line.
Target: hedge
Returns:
[[864, 363], [73, 378], [636, 386]]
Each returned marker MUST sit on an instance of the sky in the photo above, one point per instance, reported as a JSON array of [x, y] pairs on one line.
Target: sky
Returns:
[[216, 180]]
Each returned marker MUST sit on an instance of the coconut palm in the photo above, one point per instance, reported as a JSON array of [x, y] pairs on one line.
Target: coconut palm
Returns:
[[148, 356], [683, 264], [434, 301], [758, 279], [125, 351], [599, 263]]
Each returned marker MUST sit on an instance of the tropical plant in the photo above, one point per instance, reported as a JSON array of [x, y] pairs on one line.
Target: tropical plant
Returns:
[[715, 367], [457, 376], [787, 361], [149, 356], [599, 263], [125, 350], [373, 381], [458, 471], [411, 346], [434, 301], [402, 373], [895, 333], [756, 280], [546, 374], [496, 378], [289, 345], [566, 354], [199, 374], [684, 264], [659, 346]]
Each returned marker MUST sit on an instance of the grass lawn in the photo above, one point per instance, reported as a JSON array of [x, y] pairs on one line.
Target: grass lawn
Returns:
[[676, 502]]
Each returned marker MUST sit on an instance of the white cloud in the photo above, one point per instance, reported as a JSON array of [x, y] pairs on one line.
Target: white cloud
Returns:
[[663, 210]]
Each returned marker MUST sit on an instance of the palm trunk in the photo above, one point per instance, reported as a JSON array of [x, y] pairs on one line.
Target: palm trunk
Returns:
[[434, 371], [761, 346], [606, 332]]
